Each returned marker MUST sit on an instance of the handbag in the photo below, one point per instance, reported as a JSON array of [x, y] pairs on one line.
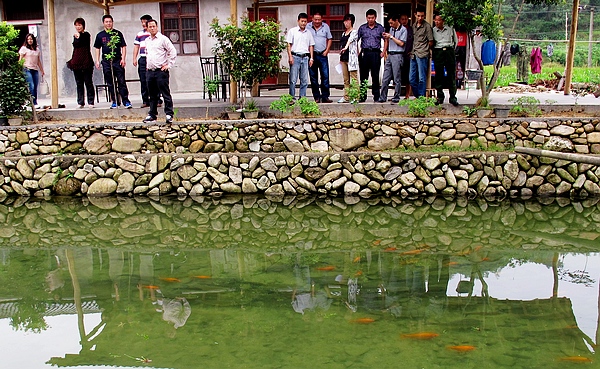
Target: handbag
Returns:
[[43, 88]]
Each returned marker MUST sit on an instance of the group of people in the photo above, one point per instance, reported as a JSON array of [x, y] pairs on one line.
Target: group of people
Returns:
[[407, 51], [153, 54]]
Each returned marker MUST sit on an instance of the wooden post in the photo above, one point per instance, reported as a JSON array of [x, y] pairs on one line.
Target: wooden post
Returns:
[[429, 19], [571, 49], [577, 158], [234, 22], [591, 38], [52, 47]]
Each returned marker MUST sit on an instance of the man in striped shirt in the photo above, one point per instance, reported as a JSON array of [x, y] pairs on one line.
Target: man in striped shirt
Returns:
[[139, 49]]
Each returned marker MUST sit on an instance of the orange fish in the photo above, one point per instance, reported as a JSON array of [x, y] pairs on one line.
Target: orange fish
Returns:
[[576, 359], [170, 279], [357, 274], [451, 263], [327, 268], [485, 259], [420, 335], [477, 248], [462, 348], [376, 242], [202, 276], [152, 287], [390, 249], [412, 252], [356, 259], [363, 320]]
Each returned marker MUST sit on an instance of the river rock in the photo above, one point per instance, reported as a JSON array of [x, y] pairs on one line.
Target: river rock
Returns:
[[102, 187], [97, 144], [346, 138], [559, 144], [383, 143]]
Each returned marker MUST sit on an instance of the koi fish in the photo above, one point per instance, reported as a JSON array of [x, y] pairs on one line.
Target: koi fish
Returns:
[[477, 248], [327, 268], [462, 348], [357, 274], [356, 259], [485, 259], [576, 359], [202, 276], [170, 279], [451, 263], [376, 242], [420, 335], [390, 249], [412, 252], [363, 320], [151, 287]]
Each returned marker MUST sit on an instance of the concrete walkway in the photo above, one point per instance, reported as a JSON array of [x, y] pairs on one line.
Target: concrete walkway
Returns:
[[191, 105]]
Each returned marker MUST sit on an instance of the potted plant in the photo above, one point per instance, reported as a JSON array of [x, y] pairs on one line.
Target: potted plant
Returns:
[[251, 52], [14, 93], [233, 112], [283, 78], [251, 110]]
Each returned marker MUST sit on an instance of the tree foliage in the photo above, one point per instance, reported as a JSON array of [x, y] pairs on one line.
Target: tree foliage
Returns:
[[14, 93], [252, 52]]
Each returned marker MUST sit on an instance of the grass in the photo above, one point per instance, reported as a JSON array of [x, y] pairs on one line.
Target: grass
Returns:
[[442, 148], [508, 74]]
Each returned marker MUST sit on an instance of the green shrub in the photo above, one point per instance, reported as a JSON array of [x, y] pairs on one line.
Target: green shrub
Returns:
[[308, 107], [526, 106], [284, 104], [419, 107]]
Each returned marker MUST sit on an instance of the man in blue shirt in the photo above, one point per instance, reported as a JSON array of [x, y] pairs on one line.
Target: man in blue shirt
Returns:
[[370, 35], [323, 39]]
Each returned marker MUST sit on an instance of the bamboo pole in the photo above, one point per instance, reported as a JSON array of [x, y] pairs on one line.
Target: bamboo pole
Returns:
[[53, 62], [577, 158], [571, 49]]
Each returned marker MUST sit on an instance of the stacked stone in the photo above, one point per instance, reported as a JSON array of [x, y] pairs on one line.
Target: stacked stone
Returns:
[[362, 174], [315, 135], [471, 229]]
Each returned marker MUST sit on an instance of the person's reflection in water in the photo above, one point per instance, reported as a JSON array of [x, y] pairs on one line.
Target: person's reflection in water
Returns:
[[308, 300], [176, 311]]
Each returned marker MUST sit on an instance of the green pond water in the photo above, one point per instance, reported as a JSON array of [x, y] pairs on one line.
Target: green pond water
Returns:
[[252, 282]]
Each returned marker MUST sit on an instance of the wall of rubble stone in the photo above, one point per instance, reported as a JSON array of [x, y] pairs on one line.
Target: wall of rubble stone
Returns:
[[314, 135], [362, 174]]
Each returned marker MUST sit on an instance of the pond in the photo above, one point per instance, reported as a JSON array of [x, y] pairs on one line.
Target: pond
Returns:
[[253, 282]]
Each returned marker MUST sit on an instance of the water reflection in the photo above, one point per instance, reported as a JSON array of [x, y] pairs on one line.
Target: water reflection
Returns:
[[251, 282]]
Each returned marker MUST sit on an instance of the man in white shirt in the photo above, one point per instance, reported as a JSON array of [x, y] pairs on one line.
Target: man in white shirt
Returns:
[[323, 40], [395, 59], [300, 54], [160, 57]]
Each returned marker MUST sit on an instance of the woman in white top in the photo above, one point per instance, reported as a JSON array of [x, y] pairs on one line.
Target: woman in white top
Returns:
[[33, 64], [349, 55]]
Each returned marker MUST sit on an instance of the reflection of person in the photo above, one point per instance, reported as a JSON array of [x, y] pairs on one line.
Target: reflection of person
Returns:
[[443, 58], [323, 39], [160, 57], [370, 35], [32, 68], [349, 55], [419, 59], [300, 54], [395, 59], [118, 60], [176, 311], [82, 64]]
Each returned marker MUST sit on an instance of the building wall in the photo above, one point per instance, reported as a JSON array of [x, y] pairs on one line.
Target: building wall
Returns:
[[186, 76]]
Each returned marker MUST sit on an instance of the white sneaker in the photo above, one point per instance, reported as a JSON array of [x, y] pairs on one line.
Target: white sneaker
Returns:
[[169, 119], [342, 100], [91, 106]]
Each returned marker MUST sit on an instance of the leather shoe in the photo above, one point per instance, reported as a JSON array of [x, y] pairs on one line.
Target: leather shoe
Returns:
[[145, 106], [454, 102], [327, 101], [317, 100]]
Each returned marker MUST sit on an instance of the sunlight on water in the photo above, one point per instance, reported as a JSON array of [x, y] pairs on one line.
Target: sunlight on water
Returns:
[[254, 283]]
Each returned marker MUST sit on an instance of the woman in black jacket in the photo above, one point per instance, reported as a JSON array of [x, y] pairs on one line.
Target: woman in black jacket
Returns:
[[82, 64]]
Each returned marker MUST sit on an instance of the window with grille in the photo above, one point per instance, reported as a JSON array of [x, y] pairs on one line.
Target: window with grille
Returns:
[[23, 10], [180, 24], [333, 15]]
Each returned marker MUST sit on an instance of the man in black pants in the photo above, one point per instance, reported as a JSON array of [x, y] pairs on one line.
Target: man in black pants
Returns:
[[370, 35], [160, 57], [443, 57]]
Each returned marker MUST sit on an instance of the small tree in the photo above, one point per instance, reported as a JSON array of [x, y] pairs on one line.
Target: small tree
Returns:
[[252, 52], [14, 93]]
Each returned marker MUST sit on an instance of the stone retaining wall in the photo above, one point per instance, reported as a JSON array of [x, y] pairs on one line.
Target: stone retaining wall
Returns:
[[580, 135], [362, 174]]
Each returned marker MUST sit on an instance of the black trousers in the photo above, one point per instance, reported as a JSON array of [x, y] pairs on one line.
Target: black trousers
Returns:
[[119, 76], [158, 84], [143, 83], [445, 59], [84, 77], [370, 62]]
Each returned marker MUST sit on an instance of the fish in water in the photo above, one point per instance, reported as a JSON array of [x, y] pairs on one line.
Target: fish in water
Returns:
[[390, 249], [326, 268], [170, 279], [151, 287], [376, 242], [363, 320], [358, 274], [202, 276], [412, 252], [356, 259], [462, 348], [420, 335], [576, 359]]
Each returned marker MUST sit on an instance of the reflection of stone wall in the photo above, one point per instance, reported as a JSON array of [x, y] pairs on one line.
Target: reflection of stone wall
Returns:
[[314, 135], [363, 174], [260, 224]]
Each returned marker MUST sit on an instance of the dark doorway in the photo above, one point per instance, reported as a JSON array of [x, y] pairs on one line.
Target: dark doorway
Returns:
[[395, 8]]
